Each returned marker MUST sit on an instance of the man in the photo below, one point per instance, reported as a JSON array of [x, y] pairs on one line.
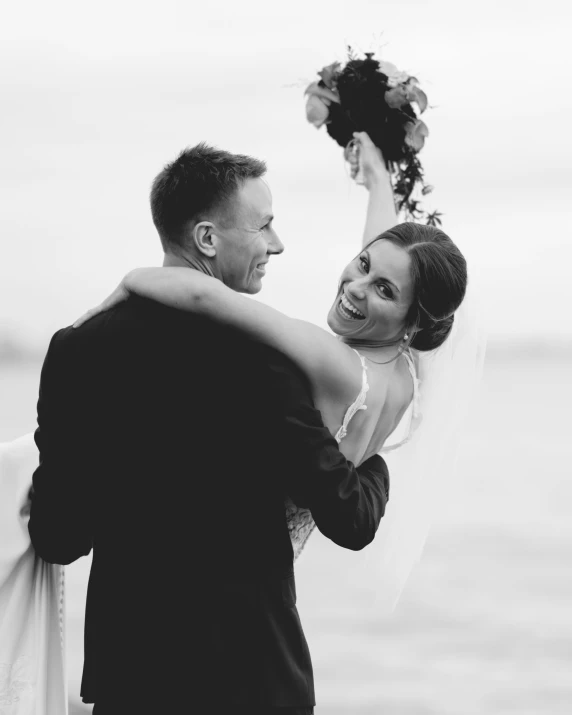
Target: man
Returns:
[[168, 444]]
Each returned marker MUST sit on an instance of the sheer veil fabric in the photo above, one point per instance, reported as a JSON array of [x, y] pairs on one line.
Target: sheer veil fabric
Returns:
[[423, 468], [32, 664]]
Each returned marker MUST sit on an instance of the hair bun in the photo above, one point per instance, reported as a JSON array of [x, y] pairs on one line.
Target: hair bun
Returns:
[[433, 334]]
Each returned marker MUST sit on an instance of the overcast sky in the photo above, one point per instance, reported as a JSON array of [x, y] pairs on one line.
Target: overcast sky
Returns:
[[95, 99]]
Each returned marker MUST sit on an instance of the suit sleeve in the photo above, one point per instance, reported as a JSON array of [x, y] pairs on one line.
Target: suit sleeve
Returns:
[[61, 523], [347, 503]]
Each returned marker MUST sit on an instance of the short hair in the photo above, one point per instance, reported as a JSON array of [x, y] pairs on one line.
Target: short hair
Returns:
[[439, 273], [197, 184]]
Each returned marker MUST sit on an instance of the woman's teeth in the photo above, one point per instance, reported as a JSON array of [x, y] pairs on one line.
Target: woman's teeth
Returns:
[[348, 311]]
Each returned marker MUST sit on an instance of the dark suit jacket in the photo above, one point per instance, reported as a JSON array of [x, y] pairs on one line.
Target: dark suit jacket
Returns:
[[168, 444]]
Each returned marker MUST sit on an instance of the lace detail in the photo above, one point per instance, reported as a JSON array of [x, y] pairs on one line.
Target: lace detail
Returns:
[[300, 522], [61, 608], [359, 403], [16, 681], [300, 526]]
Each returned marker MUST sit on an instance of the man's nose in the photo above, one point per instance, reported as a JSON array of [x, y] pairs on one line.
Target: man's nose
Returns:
[[275, 245]]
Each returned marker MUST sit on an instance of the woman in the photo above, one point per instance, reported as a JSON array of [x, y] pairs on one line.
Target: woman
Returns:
[[396, 298]]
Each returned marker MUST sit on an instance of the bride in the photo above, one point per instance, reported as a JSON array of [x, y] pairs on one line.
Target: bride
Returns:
[[396, 301]]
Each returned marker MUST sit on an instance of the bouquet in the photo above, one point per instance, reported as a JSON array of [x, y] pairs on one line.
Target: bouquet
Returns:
[[369, 95]]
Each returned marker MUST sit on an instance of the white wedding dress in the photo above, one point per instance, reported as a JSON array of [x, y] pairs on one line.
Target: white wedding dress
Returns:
[[32, 658]]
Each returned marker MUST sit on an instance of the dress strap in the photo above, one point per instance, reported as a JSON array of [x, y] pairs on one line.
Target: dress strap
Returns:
[[358, 404]]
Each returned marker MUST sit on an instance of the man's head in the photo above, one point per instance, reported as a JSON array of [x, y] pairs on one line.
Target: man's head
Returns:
[[213, 211]]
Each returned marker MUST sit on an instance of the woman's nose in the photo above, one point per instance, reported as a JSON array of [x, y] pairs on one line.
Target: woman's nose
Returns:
[[356, 289]]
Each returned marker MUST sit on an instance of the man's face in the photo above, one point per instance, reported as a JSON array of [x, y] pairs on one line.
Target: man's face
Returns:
[[246, 240]]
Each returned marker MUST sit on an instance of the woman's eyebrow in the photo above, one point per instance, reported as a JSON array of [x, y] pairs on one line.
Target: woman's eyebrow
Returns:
[[391, 283]]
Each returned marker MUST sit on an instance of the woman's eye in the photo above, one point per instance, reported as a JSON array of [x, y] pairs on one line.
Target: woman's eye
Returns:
[[364, 264], [385, 291]]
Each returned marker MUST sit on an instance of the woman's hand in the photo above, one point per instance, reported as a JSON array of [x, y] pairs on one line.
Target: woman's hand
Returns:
[[369, 160], [180, 287], [120, 294]]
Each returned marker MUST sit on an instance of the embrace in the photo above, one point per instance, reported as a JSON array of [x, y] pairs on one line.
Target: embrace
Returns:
[[193, 438]]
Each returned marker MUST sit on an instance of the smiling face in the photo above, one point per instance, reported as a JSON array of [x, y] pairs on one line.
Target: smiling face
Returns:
[[246, 239], [375, 295]]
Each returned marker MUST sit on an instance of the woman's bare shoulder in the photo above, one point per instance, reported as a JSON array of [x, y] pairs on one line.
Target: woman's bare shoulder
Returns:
[[336, 368]]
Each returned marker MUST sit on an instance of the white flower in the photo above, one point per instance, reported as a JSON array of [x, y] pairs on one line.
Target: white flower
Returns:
[[394, 76]]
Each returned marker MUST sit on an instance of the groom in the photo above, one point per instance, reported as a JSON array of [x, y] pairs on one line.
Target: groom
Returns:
[[168, 444]]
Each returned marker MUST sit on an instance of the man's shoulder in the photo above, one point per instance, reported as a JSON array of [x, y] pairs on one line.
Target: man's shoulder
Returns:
[[144, 325], [135, 315]]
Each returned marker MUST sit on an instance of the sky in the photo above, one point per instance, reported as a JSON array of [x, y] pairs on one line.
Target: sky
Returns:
[[97, 98]]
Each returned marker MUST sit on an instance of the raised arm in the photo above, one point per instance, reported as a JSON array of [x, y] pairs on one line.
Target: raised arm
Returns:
[[328, 363], [381, 213]]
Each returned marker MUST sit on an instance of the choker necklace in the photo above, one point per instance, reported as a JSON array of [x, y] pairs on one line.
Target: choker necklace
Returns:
[[402, 342], [373, 345]]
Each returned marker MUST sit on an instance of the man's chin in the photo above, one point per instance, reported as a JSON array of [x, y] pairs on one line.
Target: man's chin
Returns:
[[255, 286]]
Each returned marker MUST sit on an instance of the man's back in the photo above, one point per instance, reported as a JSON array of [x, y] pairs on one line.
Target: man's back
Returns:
[[176, 459]]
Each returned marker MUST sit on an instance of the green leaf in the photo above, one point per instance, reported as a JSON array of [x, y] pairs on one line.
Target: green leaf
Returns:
[[434, 219], [317, 111], [416, 94], [330, 74], [397, 97], [323, 92], [416, 134]]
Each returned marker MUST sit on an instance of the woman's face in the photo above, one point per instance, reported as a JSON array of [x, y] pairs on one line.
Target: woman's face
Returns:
[[378, 285]]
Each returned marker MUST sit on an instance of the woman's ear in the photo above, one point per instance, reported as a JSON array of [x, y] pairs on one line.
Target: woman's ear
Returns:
[[204, 238]]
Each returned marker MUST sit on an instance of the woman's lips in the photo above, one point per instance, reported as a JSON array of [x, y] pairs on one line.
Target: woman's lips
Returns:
[[347, 310]]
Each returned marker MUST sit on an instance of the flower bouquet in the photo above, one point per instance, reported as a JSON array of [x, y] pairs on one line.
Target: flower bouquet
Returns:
[[369, 95]]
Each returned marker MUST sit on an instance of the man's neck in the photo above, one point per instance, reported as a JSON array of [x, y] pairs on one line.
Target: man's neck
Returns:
[[188, 261]]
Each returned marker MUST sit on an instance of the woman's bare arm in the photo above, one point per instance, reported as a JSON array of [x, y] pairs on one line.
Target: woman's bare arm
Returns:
[[325, 360], [381, 214]]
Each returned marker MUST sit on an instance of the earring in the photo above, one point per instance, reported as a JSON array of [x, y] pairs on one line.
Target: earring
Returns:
[[406, 336]]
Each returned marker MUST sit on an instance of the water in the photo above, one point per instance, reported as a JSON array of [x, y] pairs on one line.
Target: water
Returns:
[[484, 626]]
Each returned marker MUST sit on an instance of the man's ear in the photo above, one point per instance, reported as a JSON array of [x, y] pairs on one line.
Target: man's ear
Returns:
[[204, 238]]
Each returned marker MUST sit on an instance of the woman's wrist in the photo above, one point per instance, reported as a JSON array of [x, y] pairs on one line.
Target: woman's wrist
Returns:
[[378, 179]]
